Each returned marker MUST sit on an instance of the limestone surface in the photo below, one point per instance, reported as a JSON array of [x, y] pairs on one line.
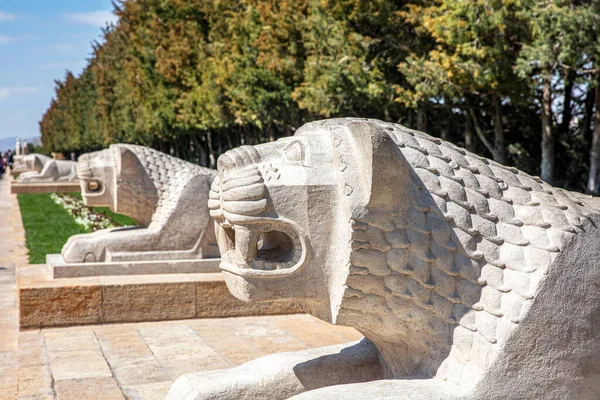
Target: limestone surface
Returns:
[[469, 279], [165, 195]]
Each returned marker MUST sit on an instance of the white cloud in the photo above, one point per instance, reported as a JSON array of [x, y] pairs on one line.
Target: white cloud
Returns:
[[6, 16], [6, 92], [4, 39], [96, 18]]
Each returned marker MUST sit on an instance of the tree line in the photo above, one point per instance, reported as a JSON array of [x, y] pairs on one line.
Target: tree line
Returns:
[[514, 80]]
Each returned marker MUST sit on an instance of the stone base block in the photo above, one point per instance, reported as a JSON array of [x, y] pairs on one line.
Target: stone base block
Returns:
[[59, 268], [48, 302], [52, 187]]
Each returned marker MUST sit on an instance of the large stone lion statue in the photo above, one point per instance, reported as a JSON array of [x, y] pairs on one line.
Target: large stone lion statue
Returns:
[[468, 279], [37, 168], [165, 195]]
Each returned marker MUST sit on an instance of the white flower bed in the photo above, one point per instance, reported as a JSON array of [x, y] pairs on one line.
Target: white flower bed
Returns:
[[83, 215]]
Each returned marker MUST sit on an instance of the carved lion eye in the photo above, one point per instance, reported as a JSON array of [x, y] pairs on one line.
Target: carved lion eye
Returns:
[[93, 186], [294, 152]]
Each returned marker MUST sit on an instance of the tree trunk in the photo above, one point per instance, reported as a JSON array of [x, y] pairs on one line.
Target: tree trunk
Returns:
[[499, 147], [175, 147], [445, 124], [479, 129], [444, 132], [588, 117], [593, 185], [271, 133], [212, 161], [563, 128], [469, 145], [547, 166], [242, 136], [199, 149], [228, 135], [422, 120]]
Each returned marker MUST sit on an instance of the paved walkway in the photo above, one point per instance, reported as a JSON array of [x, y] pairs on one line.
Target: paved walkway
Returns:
[[12, 253], [128, 361], [141, 361]]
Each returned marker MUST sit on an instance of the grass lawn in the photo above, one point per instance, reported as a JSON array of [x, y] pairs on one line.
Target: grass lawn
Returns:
[[47, 225]]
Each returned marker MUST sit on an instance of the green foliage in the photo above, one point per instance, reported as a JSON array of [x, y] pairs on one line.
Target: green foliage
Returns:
[[557, 38], [37, 149], [195, 78], [473, 48]]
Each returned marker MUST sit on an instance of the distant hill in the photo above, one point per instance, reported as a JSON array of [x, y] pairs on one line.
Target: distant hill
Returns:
[[9, 143]]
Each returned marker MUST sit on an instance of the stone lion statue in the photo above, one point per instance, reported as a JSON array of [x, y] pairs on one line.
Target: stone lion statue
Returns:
[[41, 169], [165, 195], [29, 162], [468, 279]]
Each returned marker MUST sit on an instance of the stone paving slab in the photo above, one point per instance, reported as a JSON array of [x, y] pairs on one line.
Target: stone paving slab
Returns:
[[142, 360], [12, 254]]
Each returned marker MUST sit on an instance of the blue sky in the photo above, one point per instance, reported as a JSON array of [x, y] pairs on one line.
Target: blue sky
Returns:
[[39, 41]]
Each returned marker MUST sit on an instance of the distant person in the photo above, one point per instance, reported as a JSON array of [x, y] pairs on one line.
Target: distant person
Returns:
[[10, 158]]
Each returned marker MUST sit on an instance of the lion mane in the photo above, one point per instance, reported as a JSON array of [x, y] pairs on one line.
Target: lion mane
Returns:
[[462, 259]]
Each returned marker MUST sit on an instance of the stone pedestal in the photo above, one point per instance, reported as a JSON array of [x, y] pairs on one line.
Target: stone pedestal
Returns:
[[48, 302], [53, 187], [59, 268]]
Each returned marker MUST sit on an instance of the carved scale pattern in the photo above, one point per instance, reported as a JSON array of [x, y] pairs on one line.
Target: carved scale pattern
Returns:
[[481, 239], [170, 176]]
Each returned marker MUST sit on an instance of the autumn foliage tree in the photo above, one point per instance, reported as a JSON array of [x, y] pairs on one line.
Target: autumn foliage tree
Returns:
[[514, 80]]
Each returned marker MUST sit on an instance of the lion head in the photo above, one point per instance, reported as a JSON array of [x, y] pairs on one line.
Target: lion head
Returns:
[[285, 210], [115, 178]]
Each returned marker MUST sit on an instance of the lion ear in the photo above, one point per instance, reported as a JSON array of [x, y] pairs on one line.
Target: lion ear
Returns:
[[384, 172], [38, 163], [128, 163]]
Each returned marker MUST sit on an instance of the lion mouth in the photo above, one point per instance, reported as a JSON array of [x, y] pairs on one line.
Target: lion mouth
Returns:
[[260, 249]]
